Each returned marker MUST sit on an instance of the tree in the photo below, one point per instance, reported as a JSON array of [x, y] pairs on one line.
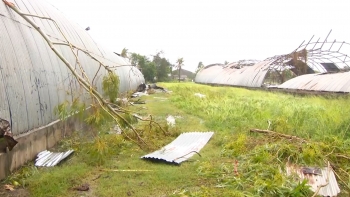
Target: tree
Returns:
[[124, 53], [163, 67], [199, 67], [180, 62], [147, 67]]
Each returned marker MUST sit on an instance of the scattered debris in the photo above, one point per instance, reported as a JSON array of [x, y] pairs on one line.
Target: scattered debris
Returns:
[[4, 127], [199, 95], [182, 148], [138, 116], [141, 88], [83, 187], [9, 187], [6, 138], [139, 102], [124, 101], [291, 137], [47, 158], [322, 181], [154, 86], [170, 120], [139, 94]]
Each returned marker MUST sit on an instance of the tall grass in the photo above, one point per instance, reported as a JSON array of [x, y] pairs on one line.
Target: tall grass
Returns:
[[234, 162], [232, 112], [237, 110]]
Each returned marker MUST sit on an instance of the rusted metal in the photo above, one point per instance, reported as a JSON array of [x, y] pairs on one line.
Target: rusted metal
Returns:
[[182, 148]]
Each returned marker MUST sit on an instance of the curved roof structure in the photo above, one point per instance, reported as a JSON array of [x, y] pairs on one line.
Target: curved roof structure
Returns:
[[312, 57], [234, 75], [33, 80], [329, 82]]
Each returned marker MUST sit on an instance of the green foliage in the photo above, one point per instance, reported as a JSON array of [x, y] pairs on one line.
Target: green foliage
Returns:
[[62, 110], [110, 86], [163, 67], [124, 53], [147, 67], [261, 159], [199, 67], [102, 149], [233, 163], [57, 181]]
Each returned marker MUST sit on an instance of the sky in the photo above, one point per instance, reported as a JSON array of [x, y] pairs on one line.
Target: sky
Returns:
[[208, 31]]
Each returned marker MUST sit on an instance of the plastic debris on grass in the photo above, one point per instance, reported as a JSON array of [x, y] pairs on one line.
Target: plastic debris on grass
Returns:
[[321, 180], [49, 159], [170, 120], [182, 148], [199, 95]]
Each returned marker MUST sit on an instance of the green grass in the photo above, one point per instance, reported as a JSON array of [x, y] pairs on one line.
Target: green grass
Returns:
[[233, 163]]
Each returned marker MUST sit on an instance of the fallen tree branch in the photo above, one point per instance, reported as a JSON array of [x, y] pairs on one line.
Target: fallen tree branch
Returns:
[[82, 80], [343, 156], [273, 133], [150, 123]]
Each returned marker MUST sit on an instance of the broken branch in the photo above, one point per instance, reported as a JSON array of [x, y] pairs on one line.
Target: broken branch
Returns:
[[278, 134]]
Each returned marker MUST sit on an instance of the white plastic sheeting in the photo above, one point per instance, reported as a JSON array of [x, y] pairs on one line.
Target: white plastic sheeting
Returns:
[[331, 82], [182, 148], [247, 76], [33, 80]]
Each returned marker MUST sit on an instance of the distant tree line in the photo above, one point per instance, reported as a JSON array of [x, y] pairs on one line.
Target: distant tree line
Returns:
[[154, 69]]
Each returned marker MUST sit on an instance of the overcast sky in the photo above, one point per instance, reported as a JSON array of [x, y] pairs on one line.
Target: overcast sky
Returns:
[[206, 30]]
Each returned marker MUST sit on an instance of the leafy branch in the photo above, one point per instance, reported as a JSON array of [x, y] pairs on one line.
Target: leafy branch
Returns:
[[83, 79]]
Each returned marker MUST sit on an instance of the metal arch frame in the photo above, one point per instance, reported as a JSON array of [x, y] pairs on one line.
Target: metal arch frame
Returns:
[[316, 56]]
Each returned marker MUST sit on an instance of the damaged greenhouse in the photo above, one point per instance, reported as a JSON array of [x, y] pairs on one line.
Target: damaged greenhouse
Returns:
[[314, 66], [34, 80]]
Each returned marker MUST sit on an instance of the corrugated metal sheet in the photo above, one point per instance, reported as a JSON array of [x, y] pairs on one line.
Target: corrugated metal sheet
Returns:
[[49, 159], [33, 80], [317, 179], [332, 82], [182, 148], [247, 76]]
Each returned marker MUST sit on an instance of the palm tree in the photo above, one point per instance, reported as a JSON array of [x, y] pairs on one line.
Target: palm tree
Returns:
[[124, 53], [180, 62]]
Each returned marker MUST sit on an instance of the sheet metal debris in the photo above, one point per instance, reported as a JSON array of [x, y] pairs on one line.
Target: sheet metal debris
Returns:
[[317, 178], [182, 148], [47, 158]]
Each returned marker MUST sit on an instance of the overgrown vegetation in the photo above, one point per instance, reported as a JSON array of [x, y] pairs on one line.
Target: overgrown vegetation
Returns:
[[235, 162], [110, 86]]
